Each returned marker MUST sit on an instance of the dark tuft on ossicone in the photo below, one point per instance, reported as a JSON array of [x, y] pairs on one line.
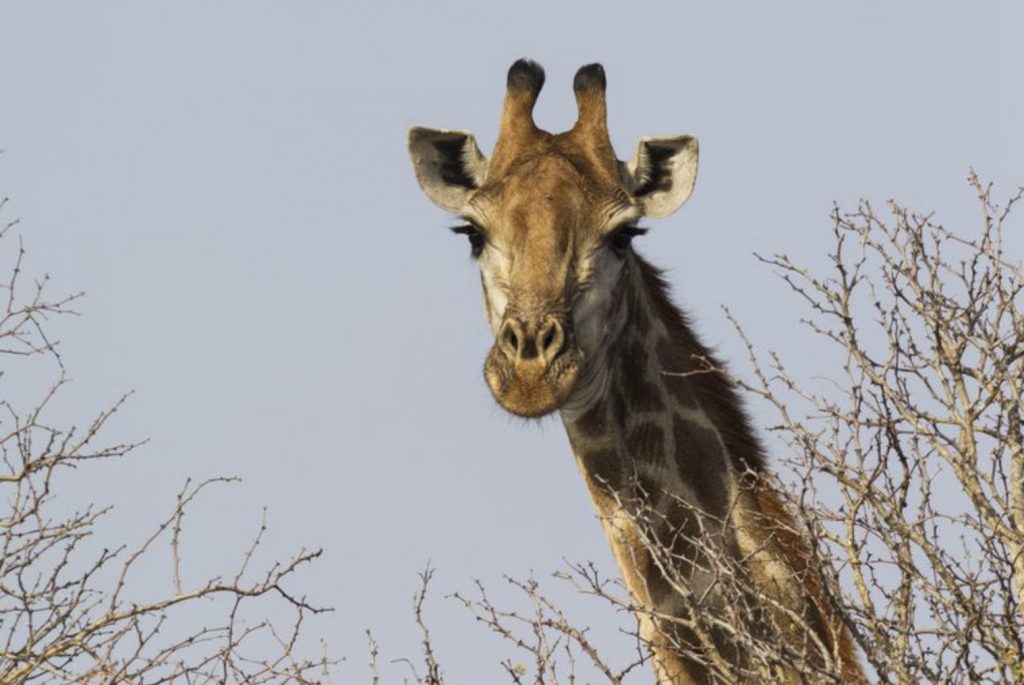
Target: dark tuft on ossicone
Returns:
[[590, 76], [526, 74]]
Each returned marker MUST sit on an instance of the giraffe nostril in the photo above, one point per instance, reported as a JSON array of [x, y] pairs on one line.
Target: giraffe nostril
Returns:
[[552, 340], [512, 339], [549, 337]]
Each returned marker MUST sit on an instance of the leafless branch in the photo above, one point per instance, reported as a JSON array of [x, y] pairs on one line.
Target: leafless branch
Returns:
[[71, 613]]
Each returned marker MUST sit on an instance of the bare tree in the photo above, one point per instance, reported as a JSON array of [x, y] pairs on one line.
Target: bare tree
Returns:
[[908, 477], [903, 473], [70, 609]]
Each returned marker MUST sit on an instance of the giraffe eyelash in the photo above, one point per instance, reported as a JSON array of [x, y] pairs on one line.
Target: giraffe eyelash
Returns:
[[631, 230], [620, 239], [477, 239]]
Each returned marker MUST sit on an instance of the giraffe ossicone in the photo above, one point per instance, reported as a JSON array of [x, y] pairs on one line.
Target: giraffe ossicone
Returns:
[[584, 326]]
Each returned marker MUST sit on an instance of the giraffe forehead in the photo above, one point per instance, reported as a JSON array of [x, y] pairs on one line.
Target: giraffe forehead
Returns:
[[545, 202]]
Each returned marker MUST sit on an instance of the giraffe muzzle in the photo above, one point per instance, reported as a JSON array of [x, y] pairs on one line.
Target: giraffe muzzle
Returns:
[[533, 365]]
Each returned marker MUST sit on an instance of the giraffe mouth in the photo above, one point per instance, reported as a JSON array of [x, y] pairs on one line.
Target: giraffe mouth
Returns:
[[533, 388]]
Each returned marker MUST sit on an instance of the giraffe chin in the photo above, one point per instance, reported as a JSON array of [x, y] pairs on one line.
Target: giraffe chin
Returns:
[[531, 389]]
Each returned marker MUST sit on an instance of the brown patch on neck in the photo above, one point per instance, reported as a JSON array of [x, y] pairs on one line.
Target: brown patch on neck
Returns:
[[646, 443], [638, 390]]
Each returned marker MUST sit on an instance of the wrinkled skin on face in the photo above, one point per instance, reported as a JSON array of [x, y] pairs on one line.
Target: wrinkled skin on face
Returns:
[[549, 218]]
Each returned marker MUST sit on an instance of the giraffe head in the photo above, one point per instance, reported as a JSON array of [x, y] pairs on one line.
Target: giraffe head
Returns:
[[549, 219]]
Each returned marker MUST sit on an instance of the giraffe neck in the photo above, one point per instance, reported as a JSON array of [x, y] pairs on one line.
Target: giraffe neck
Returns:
[[656, 430], [658, 415], [657, 427]]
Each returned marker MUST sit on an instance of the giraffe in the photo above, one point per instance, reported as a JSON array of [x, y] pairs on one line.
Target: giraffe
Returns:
[[584, 326]]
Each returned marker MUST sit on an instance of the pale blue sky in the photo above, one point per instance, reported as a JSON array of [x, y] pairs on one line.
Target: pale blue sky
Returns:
[[229, 183]]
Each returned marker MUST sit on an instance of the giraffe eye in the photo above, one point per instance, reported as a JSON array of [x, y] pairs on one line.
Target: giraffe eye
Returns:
[[620, 240], [475, 235]]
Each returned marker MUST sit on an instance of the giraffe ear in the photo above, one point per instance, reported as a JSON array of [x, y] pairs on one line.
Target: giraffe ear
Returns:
[[662, 173], [449, 165]]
